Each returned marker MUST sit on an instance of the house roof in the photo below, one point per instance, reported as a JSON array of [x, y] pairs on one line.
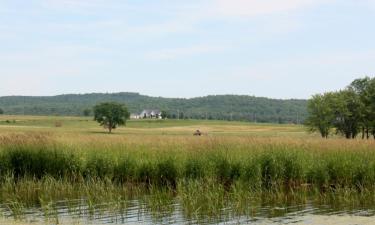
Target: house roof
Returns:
[[150, 111]]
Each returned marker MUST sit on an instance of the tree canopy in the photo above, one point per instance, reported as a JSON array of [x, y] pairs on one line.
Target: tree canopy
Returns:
[[215, 107], [321, 115], [111, 115], [350, 111]]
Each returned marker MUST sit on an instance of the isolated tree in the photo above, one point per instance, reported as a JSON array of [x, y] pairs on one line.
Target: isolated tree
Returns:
[[1, 111], [86, 112], [164, 114], [321, 115], [111, 115]]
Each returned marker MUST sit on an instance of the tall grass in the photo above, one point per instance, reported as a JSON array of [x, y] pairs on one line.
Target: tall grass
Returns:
[[204, 175], [277, 165]]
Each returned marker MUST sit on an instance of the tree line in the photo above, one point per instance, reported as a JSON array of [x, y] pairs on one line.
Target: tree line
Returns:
[[214, 107], [349, 112]]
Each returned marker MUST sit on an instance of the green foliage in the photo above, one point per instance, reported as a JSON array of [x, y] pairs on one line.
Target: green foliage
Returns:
[[251, 174], [215, 107], [87, 112], [193, 169], [38, 161], [111, 114], [349, 111], [271, 171], [124, 171], [167, 173], [145, 173], [227, 172], [321, 114], [1, 111], [99, 166], [365, 89], [164, 114], [274, 169]]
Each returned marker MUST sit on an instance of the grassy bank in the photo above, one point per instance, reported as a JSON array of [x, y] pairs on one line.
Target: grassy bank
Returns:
[[236, 166], [258, 163]]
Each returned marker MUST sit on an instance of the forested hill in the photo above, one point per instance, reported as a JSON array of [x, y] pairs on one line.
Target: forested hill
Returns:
[[222, 107]]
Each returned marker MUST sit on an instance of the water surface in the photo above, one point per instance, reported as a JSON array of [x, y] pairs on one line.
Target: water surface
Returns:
[[138, 212]]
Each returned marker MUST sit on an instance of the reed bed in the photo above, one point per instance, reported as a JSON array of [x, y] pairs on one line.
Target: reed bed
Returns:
[[205, 175], [258, 163], [234, 170]]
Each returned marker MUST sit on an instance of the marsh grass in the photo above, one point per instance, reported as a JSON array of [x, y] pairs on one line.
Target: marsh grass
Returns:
[[205, 175], [264, 166]]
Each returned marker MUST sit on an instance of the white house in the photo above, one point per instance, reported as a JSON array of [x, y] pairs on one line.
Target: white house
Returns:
[[150, 114], [134, 116]]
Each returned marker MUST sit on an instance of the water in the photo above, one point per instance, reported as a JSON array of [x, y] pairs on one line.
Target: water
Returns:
[[138, 212]]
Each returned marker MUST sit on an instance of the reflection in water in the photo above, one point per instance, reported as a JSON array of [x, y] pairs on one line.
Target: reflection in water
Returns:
[[140, 211]]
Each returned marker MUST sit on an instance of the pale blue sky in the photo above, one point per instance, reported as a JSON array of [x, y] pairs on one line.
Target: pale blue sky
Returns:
[[271, 48]]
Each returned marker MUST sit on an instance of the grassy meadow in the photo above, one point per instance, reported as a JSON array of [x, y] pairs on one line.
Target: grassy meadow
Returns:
[[49, 159]]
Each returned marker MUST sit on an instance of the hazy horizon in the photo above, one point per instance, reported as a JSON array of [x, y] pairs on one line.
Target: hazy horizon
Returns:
[[151, 95], [287, 49]]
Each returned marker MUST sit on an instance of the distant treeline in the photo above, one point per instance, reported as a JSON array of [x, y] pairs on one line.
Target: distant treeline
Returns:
[[348, 112], [219, 107]]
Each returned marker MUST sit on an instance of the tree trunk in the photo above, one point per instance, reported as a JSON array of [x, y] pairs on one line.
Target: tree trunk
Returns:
[[363, 133], [110, 128]]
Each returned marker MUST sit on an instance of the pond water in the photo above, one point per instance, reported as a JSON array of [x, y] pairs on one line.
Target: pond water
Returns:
[[137, 212]]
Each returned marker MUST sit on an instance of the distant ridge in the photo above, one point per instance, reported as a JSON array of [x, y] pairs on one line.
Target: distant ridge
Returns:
[[221, 107]]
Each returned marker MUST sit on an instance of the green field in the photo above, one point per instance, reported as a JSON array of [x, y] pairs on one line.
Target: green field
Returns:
[[235, 163], [86, 125]]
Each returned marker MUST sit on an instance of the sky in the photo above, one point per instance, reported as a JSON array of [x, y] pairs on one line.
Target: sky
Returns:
[[270, 48]]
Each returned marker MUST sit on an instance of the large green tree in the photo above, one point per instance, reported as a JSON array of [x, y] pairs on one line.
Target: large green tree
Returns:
[[371, 99], [111, 115], [321, 114], [348, 111], [362, 87]]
